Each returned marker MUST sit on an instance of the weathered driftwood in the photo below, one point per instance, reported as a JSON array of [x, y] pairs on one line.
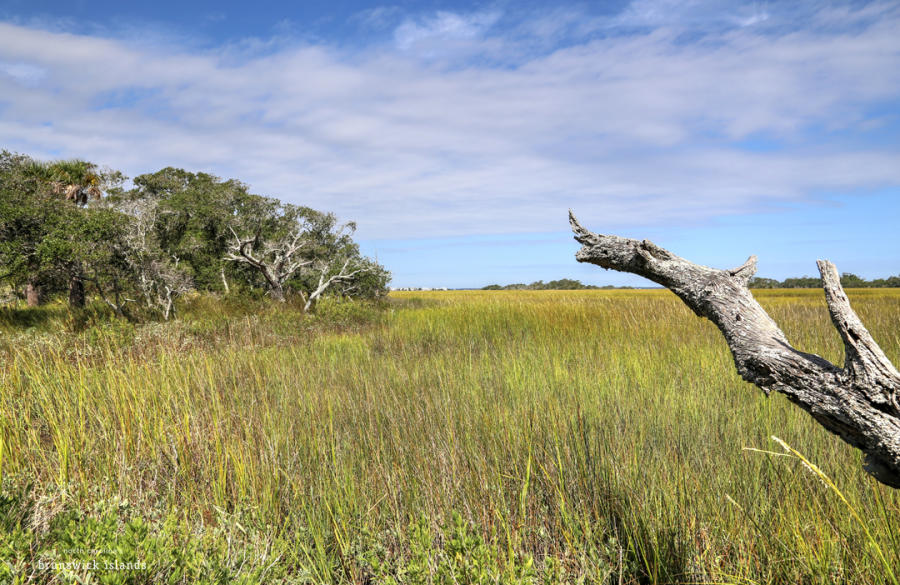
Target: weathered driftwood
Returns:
[[858, 402]]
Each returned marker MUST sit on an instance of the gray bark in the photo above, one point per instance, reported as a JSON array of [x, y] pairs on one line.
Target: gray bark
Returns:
[[858, 402], [277, 261], [324, 282], [76, 289], [32, 293]]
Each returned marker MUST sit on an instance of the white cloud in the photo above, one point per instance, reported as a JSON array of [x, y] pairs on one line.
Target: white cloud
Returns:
[[635, 129], [22, 72], [443, 27], [674, 13]]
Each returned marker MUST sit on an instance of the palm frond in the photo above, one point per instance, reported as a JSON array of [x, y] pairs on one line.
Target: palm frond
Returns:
[[73, 193]]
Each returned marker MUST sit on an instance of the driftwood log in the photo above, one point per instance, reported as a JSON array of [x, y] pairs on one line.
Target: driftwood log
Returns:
[[858, 402]]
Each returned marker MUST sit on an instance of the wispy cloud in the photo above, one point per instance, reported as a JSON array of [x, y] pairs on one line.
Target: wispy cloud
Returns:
[[694, 13], [635, 128], [24, 73], [379, 17], [443, 27]]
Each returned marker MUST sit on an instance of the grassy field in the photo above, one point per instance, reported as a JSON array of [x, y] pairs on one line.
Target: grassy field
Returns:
[[450, 437]]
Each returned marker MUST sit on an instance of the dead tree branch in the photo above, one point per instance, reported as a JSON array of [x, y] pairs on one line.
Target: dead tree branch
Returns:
[[858, 402], [277, 260], [326, 281], [159, 279]]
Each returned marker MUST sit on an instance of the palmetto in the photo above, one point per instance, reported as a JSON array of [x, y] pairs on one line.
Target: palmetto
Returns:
[[77, 180]]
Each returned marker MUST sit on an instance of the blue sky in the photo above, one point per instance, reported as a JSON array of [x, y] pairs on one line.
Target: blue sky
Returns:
[[457, 134]]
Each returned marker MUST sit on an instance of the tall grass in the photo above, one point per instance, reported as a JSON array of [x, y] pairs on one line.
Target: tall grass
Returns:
[[455, 436]]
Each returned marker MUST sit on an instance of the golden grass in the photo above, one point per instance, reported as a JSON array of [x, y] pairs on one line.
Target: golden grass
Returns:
[[601, 429]]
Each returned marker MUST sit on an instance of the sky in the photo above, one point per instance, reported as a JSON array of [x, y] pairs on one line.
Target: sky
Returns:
[[458, 134]]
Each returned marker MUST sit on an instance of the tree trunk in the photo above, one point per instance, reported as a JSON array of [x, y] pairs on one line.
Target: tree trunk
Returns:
[[168, 310], [314, 296], [324, 283], [277, 292], [76, 291], [858, 402], [33, 293]]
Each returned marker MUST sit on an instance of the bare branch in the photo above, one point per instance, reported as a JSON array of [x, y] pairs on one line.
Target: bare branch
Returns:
[[159, 280], [864, 360], [858, 402], [278, 260], [324, 282]]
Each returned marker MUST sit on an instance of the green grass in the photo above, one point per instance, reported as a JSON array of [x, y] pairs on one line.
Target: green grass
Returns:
[[451, 437]]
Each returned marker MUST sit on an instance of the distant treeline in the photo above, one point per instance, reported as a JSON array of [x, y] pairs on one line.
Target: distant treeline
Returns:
[[848, 280], [562, 284]]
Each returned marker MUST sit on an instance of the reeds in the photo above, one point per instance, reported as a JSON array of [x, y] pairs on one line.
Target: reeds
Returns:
[[554, 435]]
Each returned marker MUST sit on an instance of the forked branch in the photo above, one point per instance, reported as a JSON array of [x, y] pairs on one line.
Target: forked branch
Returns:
[[858, 402], [277, 260], [326, 281]]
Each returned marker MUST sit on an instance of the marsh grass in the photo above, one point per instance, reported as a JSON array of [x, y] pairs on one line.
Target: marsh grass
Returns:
[[450, 437]]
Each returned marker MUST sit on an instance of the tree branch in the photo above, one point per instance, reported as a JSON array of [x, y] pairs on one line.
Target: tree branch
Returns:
[[858, 402], [324, 284], [278, 261]]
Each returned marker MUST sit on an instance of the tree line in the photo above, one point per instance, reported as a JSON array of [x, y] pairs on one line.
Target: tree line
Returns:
[[72, 229], [848, 280], [561, 284]]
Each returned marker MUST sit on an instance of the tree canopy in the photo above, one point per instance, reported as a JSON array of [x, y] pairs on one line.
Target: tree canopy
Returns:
[[171, 232]]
